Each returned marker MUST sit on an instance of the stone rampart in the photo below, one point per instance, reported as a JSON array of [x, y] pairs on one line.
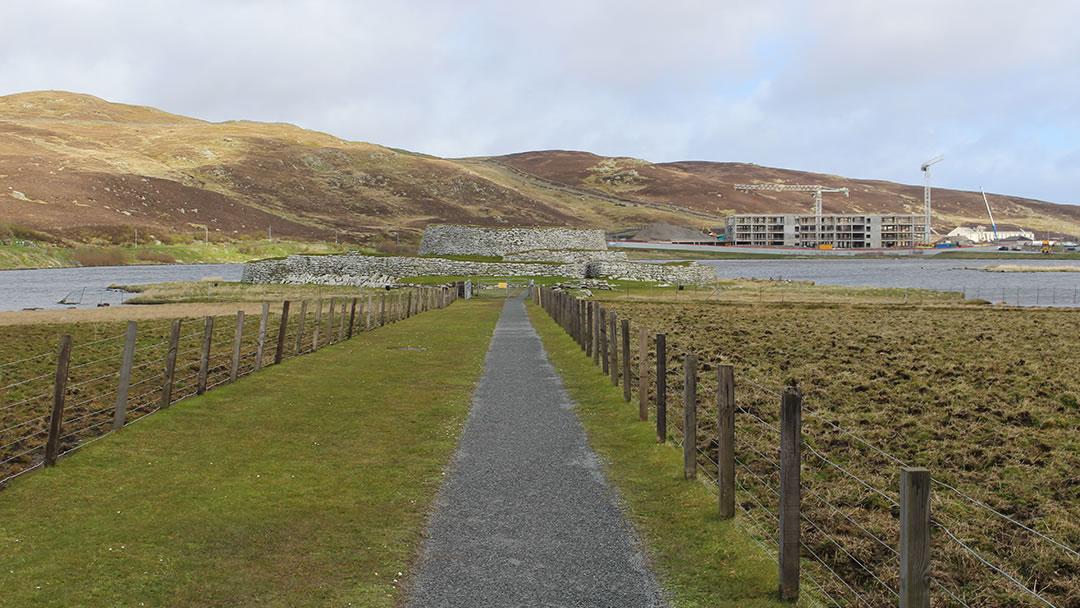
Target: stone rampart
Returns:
[[376, 271], [692, 274], [450, 239], [547, 255], [364, 270]]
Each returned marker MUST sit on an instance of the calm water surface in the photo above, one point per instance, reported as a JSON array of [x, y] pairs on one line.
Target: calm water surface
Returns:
[[88, 287], [964, 276]]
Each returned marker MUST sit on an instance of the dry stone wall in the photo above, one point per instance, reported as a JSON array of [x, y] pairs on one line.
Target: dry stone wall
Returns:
[[547, 255], [364, 270], [376, 271], [691, 274], [449, 239]]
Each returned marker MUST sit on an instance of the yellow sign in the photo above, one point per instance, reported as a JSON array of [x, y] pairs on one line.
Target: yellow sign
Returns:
[[502, 285]]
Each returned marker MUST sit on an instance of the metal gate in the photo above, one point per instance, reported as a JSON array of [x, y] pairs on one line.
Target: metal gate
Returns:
[[500, 288]]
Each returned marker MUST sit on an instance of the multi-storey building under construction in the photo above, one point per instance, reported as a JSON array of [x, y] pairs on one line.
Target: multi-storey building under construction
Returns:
[[826, 231]]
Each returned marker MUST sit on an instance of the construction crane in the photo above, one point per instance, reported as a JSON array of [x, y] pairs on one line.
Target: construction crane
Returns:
[[817, 190], [926, 191], [990, 213]]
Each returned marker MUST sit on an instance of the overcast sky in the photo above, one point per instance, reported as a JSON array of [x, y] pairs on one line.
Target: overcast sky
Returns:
[[858, 88]]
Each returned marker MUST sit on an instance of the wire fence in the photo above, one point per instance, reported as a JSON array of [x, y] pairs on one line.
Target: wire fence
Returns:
[[111, 382], [850, 506]]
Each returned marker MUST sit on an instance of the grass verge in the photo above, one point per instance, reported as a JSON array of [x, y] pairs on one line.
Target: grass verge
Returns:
[[307, 484], [701, 560]]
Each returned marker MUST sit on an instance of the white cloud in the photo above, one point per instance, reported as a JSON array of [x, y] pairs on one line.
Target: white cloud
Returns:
[[866, 89]]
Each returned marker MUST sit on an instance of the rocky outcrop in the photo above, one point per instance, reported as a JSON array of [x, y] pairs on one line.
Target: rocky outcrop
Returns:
[[449, 239]]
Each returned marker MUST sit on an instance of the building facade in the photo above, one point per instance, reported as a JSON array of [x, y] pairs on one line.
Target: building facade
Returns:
[[833, 231], [980, 234]]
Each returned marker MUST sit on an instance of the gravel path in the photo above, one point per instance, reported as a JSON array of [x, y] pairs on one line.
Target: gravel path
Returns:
[[526, 517]]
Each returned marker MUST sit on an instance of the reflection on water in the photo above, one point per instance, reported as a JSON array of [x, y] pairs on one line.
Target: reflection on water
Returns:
[[962, 276], [88, 287]]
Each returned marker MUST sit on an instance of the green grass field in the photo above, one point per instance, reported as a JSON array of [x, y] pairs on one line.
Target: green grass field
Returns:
[[306, 484], [701, 560]]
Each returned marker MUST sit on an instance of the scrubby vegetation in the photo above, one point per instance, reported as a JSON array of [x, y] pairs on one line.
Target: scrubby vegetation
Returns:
[[985, 398]]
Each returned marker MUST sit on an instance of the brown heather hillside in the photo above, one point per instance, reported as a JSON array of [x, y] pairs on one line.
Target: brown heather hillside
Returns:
[[707, 187], [81, 169]]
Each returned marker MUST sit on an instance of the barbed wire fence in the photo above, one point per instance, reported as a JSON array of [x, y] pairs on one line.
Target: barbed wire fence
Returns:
[[53, 403], [851, 493]]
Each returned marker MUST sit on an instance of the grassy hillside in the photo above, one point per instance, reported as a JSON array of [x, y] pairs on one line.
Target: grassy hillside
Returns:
[[76, 169], [707, 187]]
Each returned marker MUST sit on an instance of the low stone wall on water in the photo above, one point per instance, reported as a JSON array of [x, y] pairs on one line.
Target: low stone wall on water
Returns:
[[450, 239]]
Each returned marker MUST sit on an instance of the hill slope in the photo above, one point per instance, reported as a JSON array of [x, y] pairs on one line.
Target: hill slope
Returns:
[[708, 187], [81, 169]]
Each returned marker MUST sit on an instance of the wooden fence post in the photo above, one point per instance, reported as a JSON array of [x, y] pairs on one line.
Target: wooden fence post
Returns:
[[260, 346], [589, 334], [352, 318], [204, 356], [614, 350], [643, 375], [595, 329], [170, 365], [725, 440], [63, 361], [318, 325], [914, 537], [330, 323], [370, 306], [409, 305], [689, 416], [120, 414], [382, 309], [300, 327], [603, 351], [626, 386], [283, 330], [661, 388], [341, 322], [238, 341], [790, 469], [583, 324]]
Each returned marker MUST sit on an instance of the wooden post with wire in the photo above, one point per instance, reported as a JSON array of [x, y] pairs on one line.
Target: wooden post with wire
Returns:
[[352, 318], [238, 340], [614, 350], [914, 537], [204, 356], [661, 388], [643, 375], [589, 333], [170, 365], [300, 327], [318, 325], [725, 440], [260, 346], [602, 350], [341, 322], [689, 415], [283, 330], [330, 323], [790, 497], [626, 360], [120, 413], [56, 420]]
